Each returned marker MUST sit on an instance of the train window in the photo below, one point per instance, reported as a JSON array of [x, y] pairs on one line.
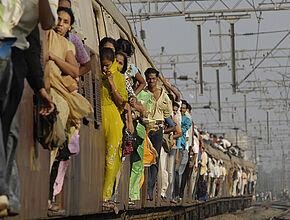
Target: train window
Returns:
[[91, 89], [97, 91]]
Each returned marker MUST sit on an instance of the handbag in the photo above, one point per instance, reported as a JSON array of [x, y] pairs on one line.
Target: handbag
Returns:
[[167, 142], [70, 83], [47, 130]]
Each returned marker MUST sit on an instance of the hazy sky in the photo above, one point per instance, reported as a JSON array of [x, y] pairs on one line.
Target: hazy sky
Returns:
[[180, 36]]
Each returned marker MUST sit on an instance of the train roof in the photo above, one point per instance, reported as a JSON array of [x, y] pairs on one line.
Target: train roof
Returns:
[[123, 24], [229, 160]]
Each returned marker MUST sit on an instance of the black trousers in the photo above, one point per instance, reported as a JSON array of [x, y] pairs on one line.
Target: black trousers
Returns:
[[17, 86], [201, 187], [156, 138], [184, 180]]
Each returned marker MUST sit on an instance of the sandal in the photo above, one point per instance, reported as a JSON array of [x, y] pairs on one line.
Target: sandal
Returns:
[[4, 203], [112, 204], [53, 206], [54, 213], [114, 207], [3, 213], [106, 204], [55, 210]]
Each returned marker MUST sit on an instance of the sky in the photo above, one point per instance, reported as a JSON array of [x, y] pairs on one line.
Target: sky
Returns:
[[179, 36]]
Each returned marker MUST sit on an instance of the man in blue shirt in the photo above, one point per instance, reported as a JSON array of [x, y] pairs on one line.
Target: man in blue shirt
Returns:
[[183, 153]]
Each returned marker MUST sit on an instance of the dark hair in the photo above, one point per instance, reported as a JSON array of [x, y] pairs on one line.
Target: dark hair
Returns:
[[171, 97], [151, 70], [70, 13], [175, 104], [125, 46], [107, 54], [188, 106], [125, 61], [106, 40], [184, 102]]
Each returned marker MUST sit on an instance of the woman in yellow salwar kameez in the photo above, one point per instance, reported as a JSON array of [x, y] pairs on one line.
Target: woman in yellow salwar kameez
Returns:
[[114, 97]]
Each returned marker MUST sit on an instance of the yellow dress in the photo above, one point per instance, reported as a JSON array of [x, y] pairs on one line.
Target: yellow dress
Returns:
[[113, 126]]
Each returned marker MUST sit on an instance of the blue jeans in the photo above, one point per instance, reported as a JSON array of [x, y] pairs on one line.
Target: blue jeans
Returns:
[[14, 85], [12, 176]]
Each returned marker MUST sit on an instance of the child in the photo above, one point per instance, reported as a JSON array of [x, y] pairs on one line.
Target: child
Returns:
[[122, 61], [108, 42], [127, 48]]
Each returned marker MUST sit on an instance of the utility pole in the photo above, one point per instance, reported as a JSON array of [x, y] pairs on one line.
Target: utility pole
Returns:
[[160, 57], [260, 128], [218, 94], [236, 129], [199, 52], [233, 57], [220, 40], [284, 169], [200, 20], [255, 150], [173, 63], [245, 113], [217, 66], [268, 128]]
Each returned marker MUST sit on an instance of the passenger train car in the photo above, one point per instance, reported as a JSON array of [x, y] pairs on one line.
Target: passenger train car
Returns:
[[82, 193]]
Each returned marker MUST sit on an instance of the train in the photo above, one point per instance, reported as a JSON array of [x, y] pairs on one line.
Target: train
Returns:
[[82, 193]]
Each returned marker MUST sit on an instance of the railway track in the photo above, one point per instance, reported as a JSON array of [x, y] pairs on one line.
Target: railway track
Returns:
[[195, 210], [283, 206]]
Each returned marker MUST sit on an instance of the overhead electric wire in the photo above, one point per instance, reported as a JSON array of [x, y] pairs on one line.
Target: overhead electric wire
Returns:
[[264, 58], [134, 21]]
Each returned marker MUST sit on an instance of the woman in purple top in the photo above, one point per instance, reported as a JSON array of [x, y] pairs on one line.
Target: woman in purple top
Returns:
[[82, 56]]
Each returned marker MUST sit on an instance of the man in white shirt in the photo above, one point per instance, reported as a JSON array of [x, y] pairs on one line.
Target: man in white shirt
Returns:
[[210, 176], [194, 165], [255, 181], [216, 177], [240, 180], [224, 142], [221, 178]]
